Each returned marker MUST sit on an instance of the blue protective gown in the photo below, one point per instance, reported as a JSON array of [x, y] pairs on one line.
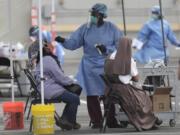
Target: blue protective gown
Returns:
[[92, 63], [60, 53], [151, 36]]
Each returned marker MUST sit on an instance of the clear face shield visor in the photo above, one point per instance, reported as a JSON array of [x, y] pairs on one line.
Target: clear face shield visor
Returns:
[[155, 14]]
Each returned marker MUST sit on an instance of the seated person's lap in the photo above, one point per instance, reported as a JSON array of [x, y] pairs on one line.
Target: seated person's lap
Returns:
[[69, 97]]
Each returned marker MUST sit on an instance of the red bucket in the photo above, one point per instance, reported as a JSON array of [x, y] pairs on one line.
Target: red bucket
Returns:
[[13, 115]]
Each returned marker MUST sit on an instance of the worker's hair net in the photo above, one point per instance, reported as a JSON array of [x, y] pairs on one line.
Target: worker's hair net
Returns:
[[156, 10], [100, 8]]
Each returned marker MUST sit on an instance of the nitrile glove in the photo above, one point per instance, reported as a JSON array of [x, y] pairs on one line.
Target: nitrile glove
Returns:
[[60, 39]]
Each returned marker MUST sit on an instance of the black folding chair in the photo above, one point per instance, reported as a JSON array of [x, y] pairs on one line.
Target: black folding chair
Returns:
[[36, 97], [109, 101], [6, 77]]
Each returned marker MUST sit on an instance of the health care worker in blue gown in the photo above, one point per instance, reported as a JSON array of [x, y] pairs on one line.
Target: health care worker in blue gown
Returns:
[[151, 37], [98, 39]]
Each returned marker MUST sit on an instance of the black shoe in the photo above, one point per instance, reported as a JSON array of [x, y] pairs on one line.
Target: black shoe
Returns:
[[76, 126], [96, 126], [64, 124], [114, 126], [158, 122], [154, 127], [139, 129]]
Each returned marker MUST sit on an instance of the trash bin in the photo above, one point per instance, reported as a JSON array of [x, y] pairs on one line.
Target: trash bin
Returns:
[[13, 115], [43, 119]]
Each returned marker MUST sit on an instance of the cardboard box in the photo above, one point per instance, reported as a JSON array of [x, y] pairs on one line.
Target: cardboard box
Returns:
[[161, 99]]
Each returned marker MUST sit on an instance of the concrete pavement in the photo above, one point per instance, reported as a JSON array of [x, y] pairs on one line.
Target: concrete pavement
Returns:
[[85, 130], [83, 119]]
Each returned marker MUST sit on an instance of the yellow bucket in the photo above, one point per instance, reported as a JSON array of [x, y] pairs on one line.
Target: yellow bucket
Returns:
[[43, 119]]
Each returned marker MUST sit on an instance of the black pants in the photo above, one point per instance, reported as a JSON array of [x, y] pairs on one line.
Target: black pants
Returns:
[[94, 109], [95, 113]]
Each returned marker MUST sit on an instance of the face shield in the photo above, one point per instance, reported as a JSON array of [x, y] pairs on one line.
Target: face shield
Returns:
[[93, 19], [154, 16], [155, 12], [98, 10], [34, 33]]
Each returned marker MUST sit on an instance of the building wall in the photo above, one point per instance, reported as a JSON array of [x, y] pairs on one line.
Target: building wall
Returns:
[[15, 17], [15, 20]]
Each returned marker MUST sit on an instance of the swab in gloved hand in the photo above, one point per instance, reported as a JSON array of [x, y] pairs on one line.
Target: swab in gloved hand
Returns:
[[101, 49]]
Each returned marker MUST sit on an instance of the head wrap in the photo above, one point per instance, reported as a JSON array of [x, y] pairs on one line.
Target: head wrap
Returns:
[[122, 62]]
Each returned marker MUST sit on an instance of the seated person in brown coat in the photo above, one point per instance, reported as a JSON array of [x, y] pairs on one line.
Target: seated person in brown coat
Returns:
[[121, 69]]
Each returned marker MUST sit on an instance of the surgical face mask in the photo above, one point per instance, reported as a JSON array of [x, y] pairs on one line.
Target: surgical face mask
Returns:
[[154, 16], [94, 20]]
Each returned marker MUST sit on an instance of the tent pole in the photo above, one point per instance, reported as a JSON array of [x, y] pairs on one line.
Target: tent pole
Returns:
[[164, 44], [40, 50], [124, 18], [162, 28]]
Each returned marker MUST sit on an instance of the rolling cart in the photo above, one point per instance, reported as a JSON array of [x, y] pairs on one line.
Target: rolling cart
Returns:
[[167, 79]]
